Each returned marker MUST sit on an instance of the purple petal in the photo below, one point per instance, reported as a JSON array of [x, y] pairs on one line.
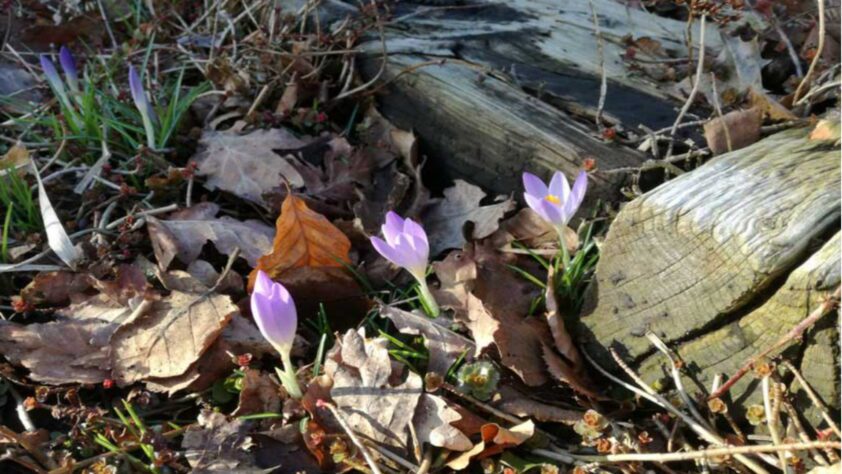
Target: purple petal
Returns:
[[534, 185], [263, 284], [393, 226], [559, 186], [577, 195], [51, 74], [553, 213], [414, 229], [535, 203], [387, 251], [412, 259], [275, 317], [68, 64], [136, 88]]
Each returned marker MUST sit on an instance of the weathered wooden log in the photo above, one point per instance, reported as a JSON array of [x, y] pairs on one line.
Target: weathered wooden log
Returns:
[[495, 88], [717, 262]]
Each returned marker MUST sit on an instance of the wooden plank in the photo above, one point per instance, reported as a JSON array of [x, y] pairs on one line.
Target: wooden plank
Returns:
[[698, 252]]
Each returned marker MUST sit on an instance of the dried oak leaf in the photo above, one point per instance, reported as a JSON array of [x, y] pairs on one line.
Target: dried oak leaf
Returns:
[[445, 219], [259, 394], [303, 238], [432, 422], [493, 303], [734, 130], [185, 232], [366, 391], [343, 170], [166, 340], [216, 444], [444, 345], [245, 165]]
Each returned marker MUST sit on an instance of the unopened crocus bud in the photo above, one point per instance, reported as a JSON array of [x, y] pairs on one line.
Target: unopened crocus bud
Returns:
[[147, 114], [68, 65], [406, 246], [53, 79], [275, 315]]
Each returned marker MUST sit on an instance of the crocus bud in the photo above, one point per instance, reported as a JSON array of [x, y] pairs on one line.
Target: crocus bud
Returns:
[[406, 246], [275, 315], [53, 78], [147, 114], [68, 64]]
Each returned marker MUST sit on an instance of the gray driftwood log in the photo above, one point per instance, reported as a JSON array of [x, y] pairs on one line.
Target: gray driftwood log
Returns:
[[724, 260], [495, 88]]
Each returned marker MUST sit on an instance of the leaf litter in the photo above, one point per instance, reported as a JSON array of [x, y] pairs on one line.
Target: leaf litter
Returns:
[[159, 317]]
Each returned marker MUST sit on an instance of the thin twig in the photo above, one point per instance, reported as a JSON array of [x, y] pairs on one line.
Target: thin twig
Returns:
[[650, 394], [772, 420], [817, 402], [700, 65], [794, 333], [718, 109], [603, 84], [700, 454], [341, 420], [816, 58]]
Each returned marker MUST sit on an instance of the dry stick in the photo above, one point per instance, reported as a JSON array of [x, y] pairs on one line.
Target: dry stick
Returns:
[[700, 64], [426, 461], [816, 58], [772, 421], [391, 456], [603, 85], [676, 377], [718, 108], [650, 394], [794, 333], [795, 419], [382, 64], [339, 419], [817, 402], [700, 454]]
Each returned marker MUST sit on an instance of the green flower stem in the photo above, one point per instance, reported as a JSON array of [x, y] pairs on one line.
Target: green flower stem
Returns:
[[427, 300], [288, 377], [565, 254], [150, 130]]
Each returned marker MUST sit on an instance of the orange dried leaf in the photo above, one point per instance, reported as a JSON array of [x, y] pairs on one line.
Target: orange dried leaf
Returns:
[[303, 238]]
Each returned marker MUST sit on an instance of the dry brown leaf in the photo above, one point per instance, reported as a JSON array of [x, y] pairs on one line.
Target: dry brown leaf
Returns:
[[515, 403], [493, 303], [444, 345], [55, 288], [17, 157], [245, 165], [445, 219], [303, 238], [259, 394], [432, 422], [218, 445], [341, 175], [769, 107], [495, 439], [185, 232], [365, 393], [827, 130], [170, 337], [740, 127]]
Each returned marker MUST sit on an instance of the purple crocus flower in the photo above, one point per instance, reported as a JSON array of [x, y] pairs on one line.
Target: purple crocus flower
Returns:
[[147, 114], [53, 78], [274, 312], [68, 65], [555, 203], [406, 246]]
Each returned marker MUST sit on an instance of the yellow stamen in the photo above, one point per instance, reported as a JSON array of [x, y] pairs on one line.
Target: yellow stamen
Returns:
[[553, 199]]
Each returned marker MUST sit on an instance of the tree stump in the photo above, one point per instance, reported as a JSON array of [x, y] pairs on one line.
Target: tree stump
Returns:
[[722, 261]]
